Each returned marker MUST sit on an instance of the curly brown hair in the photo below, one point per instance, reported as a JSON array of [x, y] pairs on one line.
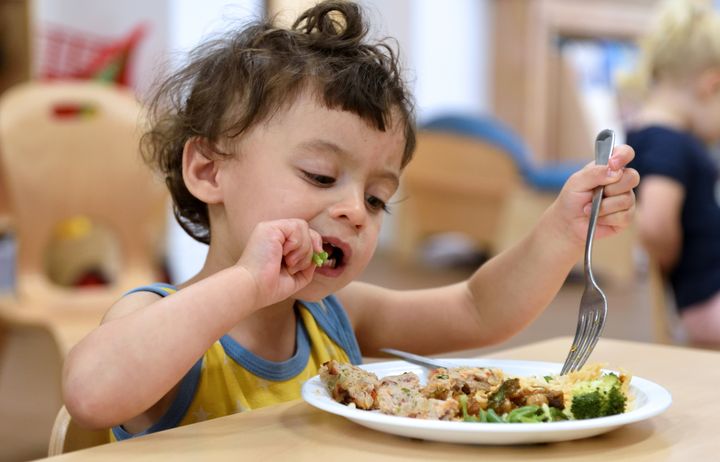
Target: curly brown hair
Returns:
[[232, 83]]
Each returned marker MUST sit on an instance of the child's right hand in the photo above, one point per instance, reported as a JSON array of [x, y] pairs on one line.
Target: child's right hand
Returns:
[[278, 255]]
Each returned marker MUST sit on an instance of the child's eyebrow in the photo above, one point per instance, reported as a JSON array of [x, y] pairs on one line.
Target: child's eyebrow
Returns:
[[333, 148]]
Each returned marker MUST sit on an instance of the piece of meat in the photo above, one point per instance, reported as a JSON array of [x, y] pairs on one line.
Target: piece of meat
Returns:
[[450, 383], [401, 395], [349, 384], [512, 394]]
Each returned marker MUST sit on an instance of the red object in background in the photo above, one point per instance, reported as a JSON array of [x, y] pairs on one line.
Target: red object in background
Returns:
[[71, 54], [73, 110], [91, 278]]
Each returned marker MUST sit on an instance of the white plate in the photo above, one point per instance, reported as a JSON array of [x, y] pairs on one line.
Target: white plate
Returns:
[[650, 400]]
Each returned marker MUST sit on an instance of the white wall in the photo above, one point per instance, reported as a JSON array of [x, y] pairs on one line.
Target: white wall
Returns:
[[446, 47], [451, 56], [190, 21]]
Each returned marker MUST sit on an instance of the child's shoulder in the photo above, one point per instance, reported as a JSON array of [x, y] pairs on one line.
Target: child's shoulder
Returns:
[[138, 298]]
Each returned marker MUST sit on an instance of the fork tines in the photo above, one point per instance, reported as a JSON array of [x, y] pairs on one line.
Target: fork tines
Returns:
[[591, 322]]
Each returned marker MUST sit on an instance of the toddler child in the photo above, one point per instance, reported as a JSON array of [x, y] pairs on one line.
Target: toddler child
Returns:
[[679, 197], [278, 144]]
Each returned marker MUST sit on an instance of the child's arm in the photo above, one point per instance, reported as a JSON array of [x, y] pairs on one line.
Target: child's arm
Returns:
[[126, 369], [510, 290], [659, 217]]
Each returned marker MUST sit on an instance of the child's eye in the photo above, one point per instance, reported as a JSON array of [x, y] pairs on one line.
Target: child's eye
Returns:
[[376, 204], [322, 180]]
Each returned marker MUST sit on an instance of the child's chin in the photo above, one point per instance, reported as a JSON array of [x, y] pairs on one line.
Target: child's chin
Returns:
[[314, 293]]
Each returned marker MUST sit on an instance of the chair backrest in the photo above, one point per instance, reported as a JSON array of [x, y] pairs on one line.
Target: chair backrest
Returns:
[[455, 183], [485, 128], [70, 149], [461, 164], [548, 177], [67, 436], [666, 322]]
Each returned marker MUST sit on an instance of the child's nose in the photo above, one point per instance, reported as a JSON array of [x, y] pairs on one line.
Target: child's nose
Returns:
[[351, 207]]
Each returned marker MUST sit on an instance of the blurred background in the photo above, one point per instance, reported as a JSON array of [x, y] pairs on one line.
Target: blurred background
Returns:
[[509, 94]]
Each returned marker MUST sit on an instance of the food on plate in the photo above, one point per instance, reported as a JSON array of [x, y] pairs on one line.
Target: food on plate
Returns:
[[598, 398], [477, 394], [349, 384]]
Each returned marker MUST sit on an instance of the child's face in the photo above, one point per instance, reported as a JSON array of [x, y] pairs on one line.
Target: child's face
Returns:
[[327, 167], [706, 113], [707, 123]]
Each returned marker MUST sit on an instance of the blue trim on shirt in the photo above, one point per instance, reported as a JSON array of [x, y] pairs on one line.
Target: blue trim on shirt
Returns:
[[331, 317], [177, 410], [156, 288], [271, 370]]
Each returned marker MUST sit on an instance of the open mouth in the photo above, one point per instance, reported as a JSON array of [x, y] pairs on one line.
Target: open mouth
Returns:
[[335, 255]]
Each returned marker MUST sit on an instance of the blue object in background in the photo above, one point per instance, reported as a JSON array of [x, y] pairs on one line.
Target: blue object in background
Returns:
[[8, 254], [549, 177]]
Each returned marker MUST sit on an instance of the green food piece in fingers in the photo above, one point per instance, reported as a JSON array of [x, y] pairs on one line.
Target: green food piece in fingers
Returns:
[[319, 258]]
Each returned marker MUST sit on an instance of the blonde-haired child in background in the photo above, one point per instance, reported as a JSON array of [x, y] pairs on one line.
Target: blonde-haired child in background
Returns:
[[277, 144], [678, 81]]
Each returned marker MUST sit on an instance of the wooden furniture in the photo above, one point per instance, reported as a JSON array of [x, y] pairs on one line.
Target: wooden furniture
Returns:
[[67, 436], [454, 183], [613, 257], [534, 91], [296, 431], [14, 68], [69, 149], [666, 321]]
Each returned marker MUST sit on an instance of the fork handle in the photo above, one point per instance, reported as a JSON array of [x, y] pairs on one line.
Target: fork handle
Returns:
[[604, 143], [415, 359]]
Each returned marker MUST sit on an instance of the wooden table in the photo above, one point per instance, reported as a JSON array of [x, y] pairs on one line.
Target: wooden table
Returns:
[[298, 432]]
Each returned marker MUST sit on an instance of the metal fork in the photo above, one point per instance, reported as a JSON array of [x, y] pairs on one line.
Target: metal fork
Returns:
[[416, 359], [593, 304]]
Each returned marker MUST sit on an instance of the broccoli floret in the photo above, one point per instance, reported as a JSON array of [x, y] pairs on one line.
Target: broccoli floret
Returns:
[[616, 402], [598, 398], [587, 405]]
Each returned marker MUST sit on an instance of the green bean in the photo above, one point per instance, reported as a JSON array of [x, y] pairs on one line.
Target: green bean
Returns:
[[319, 258], [492, 417]]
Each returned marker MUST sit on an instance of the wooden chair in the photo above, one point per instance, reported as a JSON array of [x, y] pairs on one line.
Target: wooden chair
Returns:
[[666, 322], [67, 436], [475, 175], [454, 183], [614, 258], [70, 149]]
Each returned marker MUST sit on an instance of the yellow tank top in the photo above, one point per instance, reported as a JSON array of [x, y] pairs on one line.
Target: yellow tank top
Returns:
[[229, 378]]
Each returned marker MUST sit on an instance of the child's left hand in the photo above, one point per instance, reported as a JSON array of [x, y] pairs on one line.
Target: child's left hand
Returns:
[[571, 209]]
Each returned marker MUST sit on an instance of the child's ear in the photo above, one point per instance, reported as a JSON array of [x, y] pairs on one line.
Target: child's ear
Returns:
[[708, 84], [200, 170]]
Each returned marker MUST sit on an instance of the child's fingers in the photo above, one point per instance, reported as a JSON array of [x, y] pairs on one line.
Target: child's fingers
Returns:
[[615, 204], [628, 181], [299, 258], [593, 175], [618, 219], [621, 156], [316, 240], [296, 243]]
